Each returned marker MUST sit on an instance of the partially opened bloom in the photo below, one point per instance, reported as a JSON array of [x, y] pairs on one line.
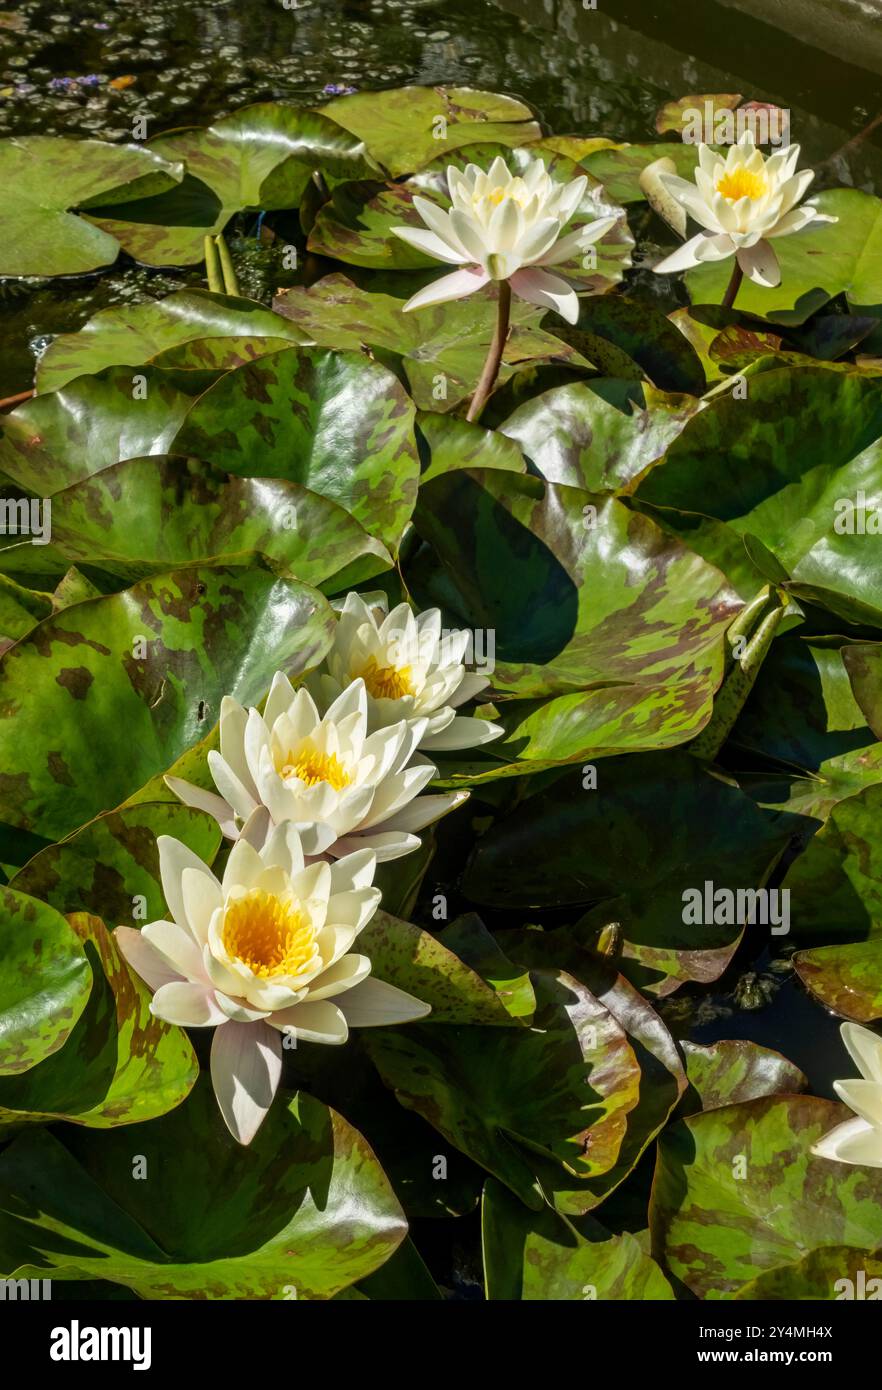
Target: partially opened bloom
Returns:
[[264, 952], [504, 226], [858, 1140], [743, 202], [411, 669], [344, 788]]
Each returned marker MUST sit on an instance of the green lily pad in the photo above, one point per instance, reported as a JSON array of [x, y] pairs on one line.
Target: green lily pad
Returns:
[[118, 1065], [131, 334], [420, 964], [469, 939], [619, 167], [801, 711], [331, 421], [735, 1070], [160, 657], [575, 436], [836, 885], [301, 1213], [45, 982], [863, 662], [58, 439], [781, 460], [448, 443], [558, 1092], [833, 1272], [737, 1193], [670, 117], [816, 264], [846, 979], [144, 516], [442, 348], [20, 610], [406, 127], [578, 590], [110, 868], [533, 1256], [662, 1078], [44, 177], [261, 157], [647, 338], [659, 825]]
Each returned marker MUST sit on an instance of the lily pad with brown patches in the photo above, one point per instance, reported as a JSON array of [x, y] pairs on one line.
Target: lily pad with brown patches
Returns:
[[331, 421], [516, 1099], [45, 982], [134, 679], [303, 1212], [110, 868], [530, 1256], [143, 516], [738, 1193], [118, 1064], [406, 127]]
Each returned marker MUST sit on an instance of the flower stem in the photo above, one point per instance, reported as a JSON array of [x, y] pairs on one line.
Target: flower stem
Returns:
[[490, 370], [734, 286]]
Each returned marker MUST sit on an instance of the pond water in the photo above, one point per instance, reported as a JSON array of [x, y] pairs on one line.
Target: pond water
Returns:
[[592, 71], [603, 70]]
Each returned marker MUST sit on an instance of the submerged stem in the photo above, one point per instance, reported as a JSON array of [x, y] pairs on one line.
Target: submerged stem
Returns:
[[490, 370], [231, 284], [212, 266], [734, 286]]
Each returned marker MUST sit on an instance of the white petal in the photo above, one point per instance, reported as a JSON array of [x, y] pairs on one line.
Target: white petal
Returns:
[[146, 962], [186, 1005], [202, 800], [463, 732], [760, 263], [174, 858], [177, 946], [319, 1022], [852, 1142], [424, 811], [230, 786], [537, 286], [865, 1050], [431, 244], [344, 974], [246, 1065], [455, 286], [374, 1004], [688, 255], [863, 1097]]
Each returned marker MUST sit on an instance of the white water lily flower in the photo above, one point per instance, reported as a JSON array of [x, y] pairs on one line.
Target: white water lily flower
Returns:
[[264, 952], [743, 202], [411, 669], [504, 226], [344, 788], [858, 1140]]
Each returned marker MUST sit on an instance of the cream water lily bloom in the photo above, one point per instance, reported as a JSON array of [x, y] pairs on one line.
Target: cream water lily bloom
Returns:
[[858, 1140], [743, 202], [504, 226], [263, 953], [343, 788], [411, 670]]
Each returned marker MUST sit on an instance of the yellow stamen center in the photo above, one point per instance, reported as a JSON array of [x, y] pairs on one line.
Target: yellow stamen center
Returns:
[[268, 934], [313, 767], [741, 183], [387, 682]]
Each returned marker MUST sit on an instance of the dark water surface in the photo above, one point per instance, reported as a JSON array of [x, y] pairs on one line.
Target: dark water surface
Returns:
[[602, 71]]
